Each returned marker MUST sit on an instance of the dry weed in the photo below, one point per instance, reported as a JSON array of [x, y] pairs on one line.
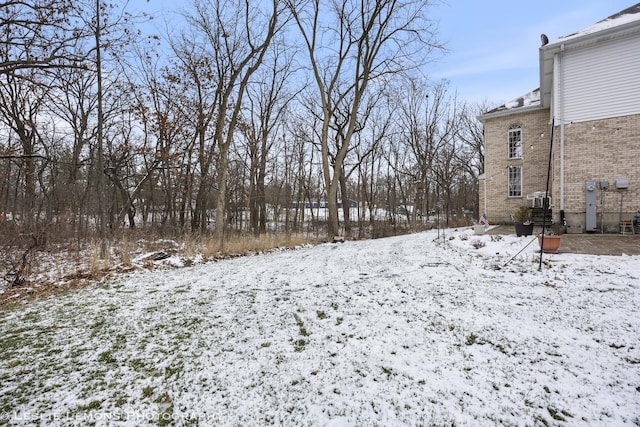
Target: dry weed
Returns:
[[244, 244]]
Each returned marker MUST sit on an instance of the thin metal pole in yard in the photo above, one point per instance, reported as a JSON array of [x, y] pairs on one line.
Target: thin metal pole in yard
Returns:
[[519, 252], [545, 204]]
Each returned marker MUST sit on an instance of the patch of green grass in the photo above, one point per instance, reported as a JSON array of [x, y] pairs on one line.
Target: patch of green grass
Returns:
[[300, 323], [94, 405], [163, 398], [120, 401], [147, 391], [541, 420], [96, 328], [298, 345], [106, 357], [165, 416], [556, 415], [137, 364], [171, 371], [14, 364], [501, 348], [472, 339]]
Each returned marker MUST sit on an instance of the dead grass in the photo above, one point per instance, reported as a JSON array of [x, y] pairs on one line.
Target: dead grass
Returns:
[[245, 244], [64, 266]]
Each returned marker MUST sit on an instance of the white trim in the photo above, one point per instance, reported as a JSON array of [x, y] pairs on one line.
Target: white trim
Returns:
[[517, 144], [510, 168]]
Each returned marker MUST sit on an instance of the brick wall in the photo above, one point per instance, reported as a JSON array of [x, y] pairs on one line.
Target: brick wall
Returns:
[[535, 154], [602, 150]]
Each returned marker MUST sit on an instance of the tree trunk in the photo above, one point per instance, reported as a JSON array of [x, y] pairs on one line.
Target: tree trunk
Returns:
[[221, 198], [345, 207], [100, 175]]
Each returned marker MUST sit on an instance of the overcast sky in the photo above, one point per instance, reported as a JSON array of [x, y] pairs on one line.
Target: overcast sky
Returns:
[[492, 44]]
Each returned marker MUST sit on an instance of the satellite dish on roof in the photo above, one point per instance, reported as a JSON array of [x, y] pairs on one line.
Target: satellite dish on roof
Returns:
[[544, 39]]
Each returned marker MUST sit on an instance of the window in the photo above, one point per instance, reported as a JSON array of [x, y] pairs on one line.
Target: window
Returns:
[[515, 142], [515, 181]]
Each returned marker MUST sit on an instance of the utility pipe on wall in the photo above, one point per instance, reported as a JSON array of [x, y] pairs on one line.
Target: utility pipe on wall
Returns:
[[562, 165], [559, 74]]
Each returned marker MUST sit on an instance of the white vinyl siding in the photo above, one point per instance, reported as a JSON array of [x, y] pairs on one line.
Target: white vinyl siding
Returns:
[[601, 81]]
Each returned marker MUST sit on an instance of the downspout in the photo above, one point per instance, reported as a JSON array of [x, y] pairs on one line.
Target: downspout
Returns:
[[562, 122], [562, 166], [484, 172], [485, 194]]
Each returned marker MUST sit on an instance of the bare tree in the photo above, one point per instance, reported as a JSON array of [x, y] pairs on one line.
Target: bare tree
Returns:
[[236, 36], [373, 127], [73, 104], [21, 105], [366, 160], [428, 123], [198, 100], [163, 106], [299, 143], [349, 45], [109, 28], [471, 133], [267, 100], [42, 35], [470, 154]]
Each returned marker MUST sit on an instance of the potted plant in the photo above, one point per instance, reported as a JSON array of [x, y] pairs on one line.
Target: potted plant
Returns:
[[550, 242], [522, 221]]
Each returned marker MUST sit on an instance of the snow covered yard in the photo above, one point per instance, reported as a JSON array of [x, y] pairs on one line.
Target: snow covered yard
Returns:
[[408, 330]]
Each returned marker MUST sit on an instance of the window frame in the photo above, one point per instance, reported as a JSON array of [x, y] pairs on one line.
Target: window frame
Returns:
[[514, 142], [512, 190]]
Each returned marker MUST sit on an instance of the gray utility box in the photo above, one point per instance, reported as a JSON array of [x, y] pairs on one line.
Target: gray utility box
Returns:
[[591, 213], [622, 183]]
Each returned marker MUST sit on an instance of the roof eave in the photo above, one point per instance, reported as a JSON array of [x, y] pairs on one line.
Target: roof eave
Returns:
[[576, 41], [548, 52], [508, 112]]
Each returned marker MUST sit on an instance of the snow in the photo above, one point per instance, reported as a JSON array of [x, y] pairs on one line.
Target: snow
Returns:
[[432, 328], [530, 99], [627, 16]]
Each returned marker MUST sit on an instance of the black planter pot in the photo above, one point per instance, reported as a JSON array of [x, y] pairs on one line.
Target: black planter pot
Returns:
[[523, 229]]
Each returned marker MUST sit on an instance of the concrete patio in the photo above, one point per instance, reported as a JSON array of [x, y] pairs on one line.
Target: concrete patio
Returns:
[[588, 243]]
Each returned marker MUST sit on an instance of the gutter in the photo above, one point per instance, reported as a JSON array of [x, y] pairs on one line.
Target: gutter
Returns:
[[559, 72], [508, 112]]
